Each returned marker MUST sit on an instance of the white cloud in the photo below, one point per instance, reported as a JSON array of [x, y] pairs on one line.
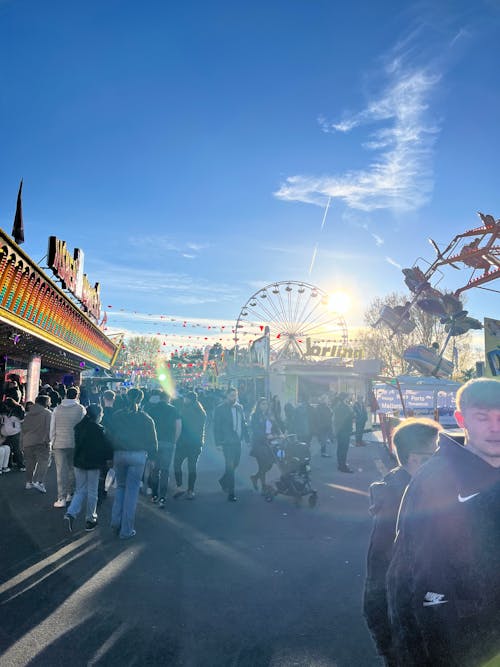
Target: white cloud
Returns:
[[399, 177], [323, 250], [171, 330], [378, 240], [178, 287], [165, 244], [389, 260], [197, 246]]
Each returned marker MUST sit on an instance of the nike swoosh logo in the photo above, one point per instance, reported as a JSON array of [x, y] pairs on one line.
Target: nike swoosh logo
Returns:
[[431, 604], [464, 499]]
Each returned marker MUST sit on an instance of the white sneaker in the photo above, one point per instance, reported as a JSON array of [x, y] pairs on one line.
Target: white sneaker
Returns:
[[60, 502], [28, 485], [40, 486], [5, 469]]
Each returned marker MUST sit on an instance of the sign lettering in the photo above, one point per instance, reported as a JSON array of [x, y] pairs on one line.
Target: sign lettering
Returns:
[[340, 351], [69, 269]]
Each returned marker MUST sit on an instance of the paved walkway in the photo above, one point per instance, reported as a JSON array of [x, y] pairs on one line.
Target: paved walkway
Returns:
[[205, 583]]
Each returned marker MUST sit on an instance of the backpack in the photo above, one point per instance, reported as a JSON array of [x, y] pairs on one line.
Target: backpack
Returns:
[[10, 426]]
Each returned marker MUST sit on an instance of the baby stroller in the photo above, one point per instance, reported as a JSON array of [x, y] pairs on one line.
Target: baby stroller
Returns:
[[293, 460]]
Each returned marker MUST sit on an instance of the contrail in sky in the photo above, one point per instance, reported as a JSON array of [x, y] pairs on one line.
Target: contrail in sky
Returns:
[[315, 251]]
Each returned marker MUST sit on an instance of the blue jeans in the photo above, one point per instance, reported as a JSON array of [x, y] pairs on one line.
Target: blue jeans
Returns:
[[87, 482], [129, 468]]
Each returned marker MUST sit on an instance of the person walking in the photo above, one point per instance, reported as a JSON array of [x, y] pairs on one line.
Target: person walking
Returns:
[[133, 437], [415, 441], [342, 418], [192, 438], [35, 437], [108, 410], [324, 416], [443, 581], [360, 417], [92, 451], [230, 429], [108, 407], [261, 428], [168, 428], [302, 420], [62, 435]]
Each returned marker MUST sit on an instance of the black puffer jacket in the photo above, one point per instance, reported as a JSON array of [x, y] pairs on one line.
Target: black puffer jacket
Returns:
[[443, 583], [92, 446], [385, 499]]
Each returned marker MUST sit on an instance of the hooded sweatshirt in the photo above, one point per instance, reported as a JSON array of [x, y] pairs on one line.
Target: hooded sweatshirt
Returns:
[[443, 583], [385, 499], [64, 419], [35, 429]]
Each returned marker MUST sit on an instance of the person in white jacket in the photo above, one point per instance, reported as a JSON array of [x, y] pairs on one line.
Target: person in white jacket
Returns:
[[62, 434]]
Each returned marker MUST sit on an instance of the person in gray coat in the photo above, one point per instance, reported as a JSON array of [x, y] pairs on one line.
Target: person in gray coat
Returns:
[[35, 437]]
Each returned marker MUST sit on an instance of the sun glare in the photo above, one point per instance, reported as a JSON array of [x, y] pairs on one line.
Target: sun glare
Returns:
[[339, 302]]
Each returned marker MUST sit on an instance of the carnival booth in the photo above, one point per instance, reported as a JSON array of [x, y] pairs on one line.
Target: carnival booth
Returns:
[[410, 395], [49, 331]]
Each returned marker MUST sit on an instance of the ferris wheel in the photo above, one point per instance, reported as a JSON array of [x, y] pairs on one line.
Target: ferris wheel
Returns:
[[299, 320]]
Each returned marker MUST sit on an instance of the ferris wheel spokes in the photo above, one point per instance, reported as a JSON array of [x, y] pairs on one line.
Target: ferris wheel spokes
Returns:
[[292, 310]]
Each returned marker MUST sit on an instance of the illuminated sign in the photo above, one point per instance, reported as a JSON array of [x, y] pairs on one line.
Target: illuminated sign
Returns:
[[332, 350], [69, 269], [32, 302]]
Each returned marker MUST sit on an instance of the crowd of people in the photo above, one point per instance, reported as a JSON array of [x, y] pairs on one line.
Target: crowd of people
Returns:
[[432, 590], [142, 434]]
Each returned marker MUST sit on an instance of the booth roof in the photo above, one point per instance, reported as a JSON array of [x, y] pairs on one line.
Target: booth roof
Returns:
[[424, 381]]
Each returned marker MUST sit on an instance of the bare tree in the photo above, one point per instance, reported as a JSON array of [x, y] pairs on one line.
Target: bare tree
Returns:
[[138, 350], [379, 343]]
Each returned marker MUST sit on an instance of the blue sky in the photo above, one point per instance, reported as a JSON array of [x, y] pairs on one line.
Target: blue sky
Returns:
[[190, 148]]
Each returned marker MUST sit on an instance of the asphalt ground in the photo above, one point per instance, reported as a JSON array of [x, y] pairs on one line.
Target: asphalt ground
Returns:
[[205, 583]]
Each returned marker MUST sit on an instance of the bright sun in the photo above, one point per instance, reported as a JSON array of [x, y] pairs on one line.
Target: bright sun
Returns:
[[339, 302]]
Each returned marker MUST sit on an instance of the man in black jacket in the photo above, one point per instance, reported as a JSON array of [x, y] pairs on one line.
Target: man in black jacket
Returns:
[[192, 437], [443, 582], [415, 441], [324, 416], [230, 429], [168, 428], [342, 419]]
